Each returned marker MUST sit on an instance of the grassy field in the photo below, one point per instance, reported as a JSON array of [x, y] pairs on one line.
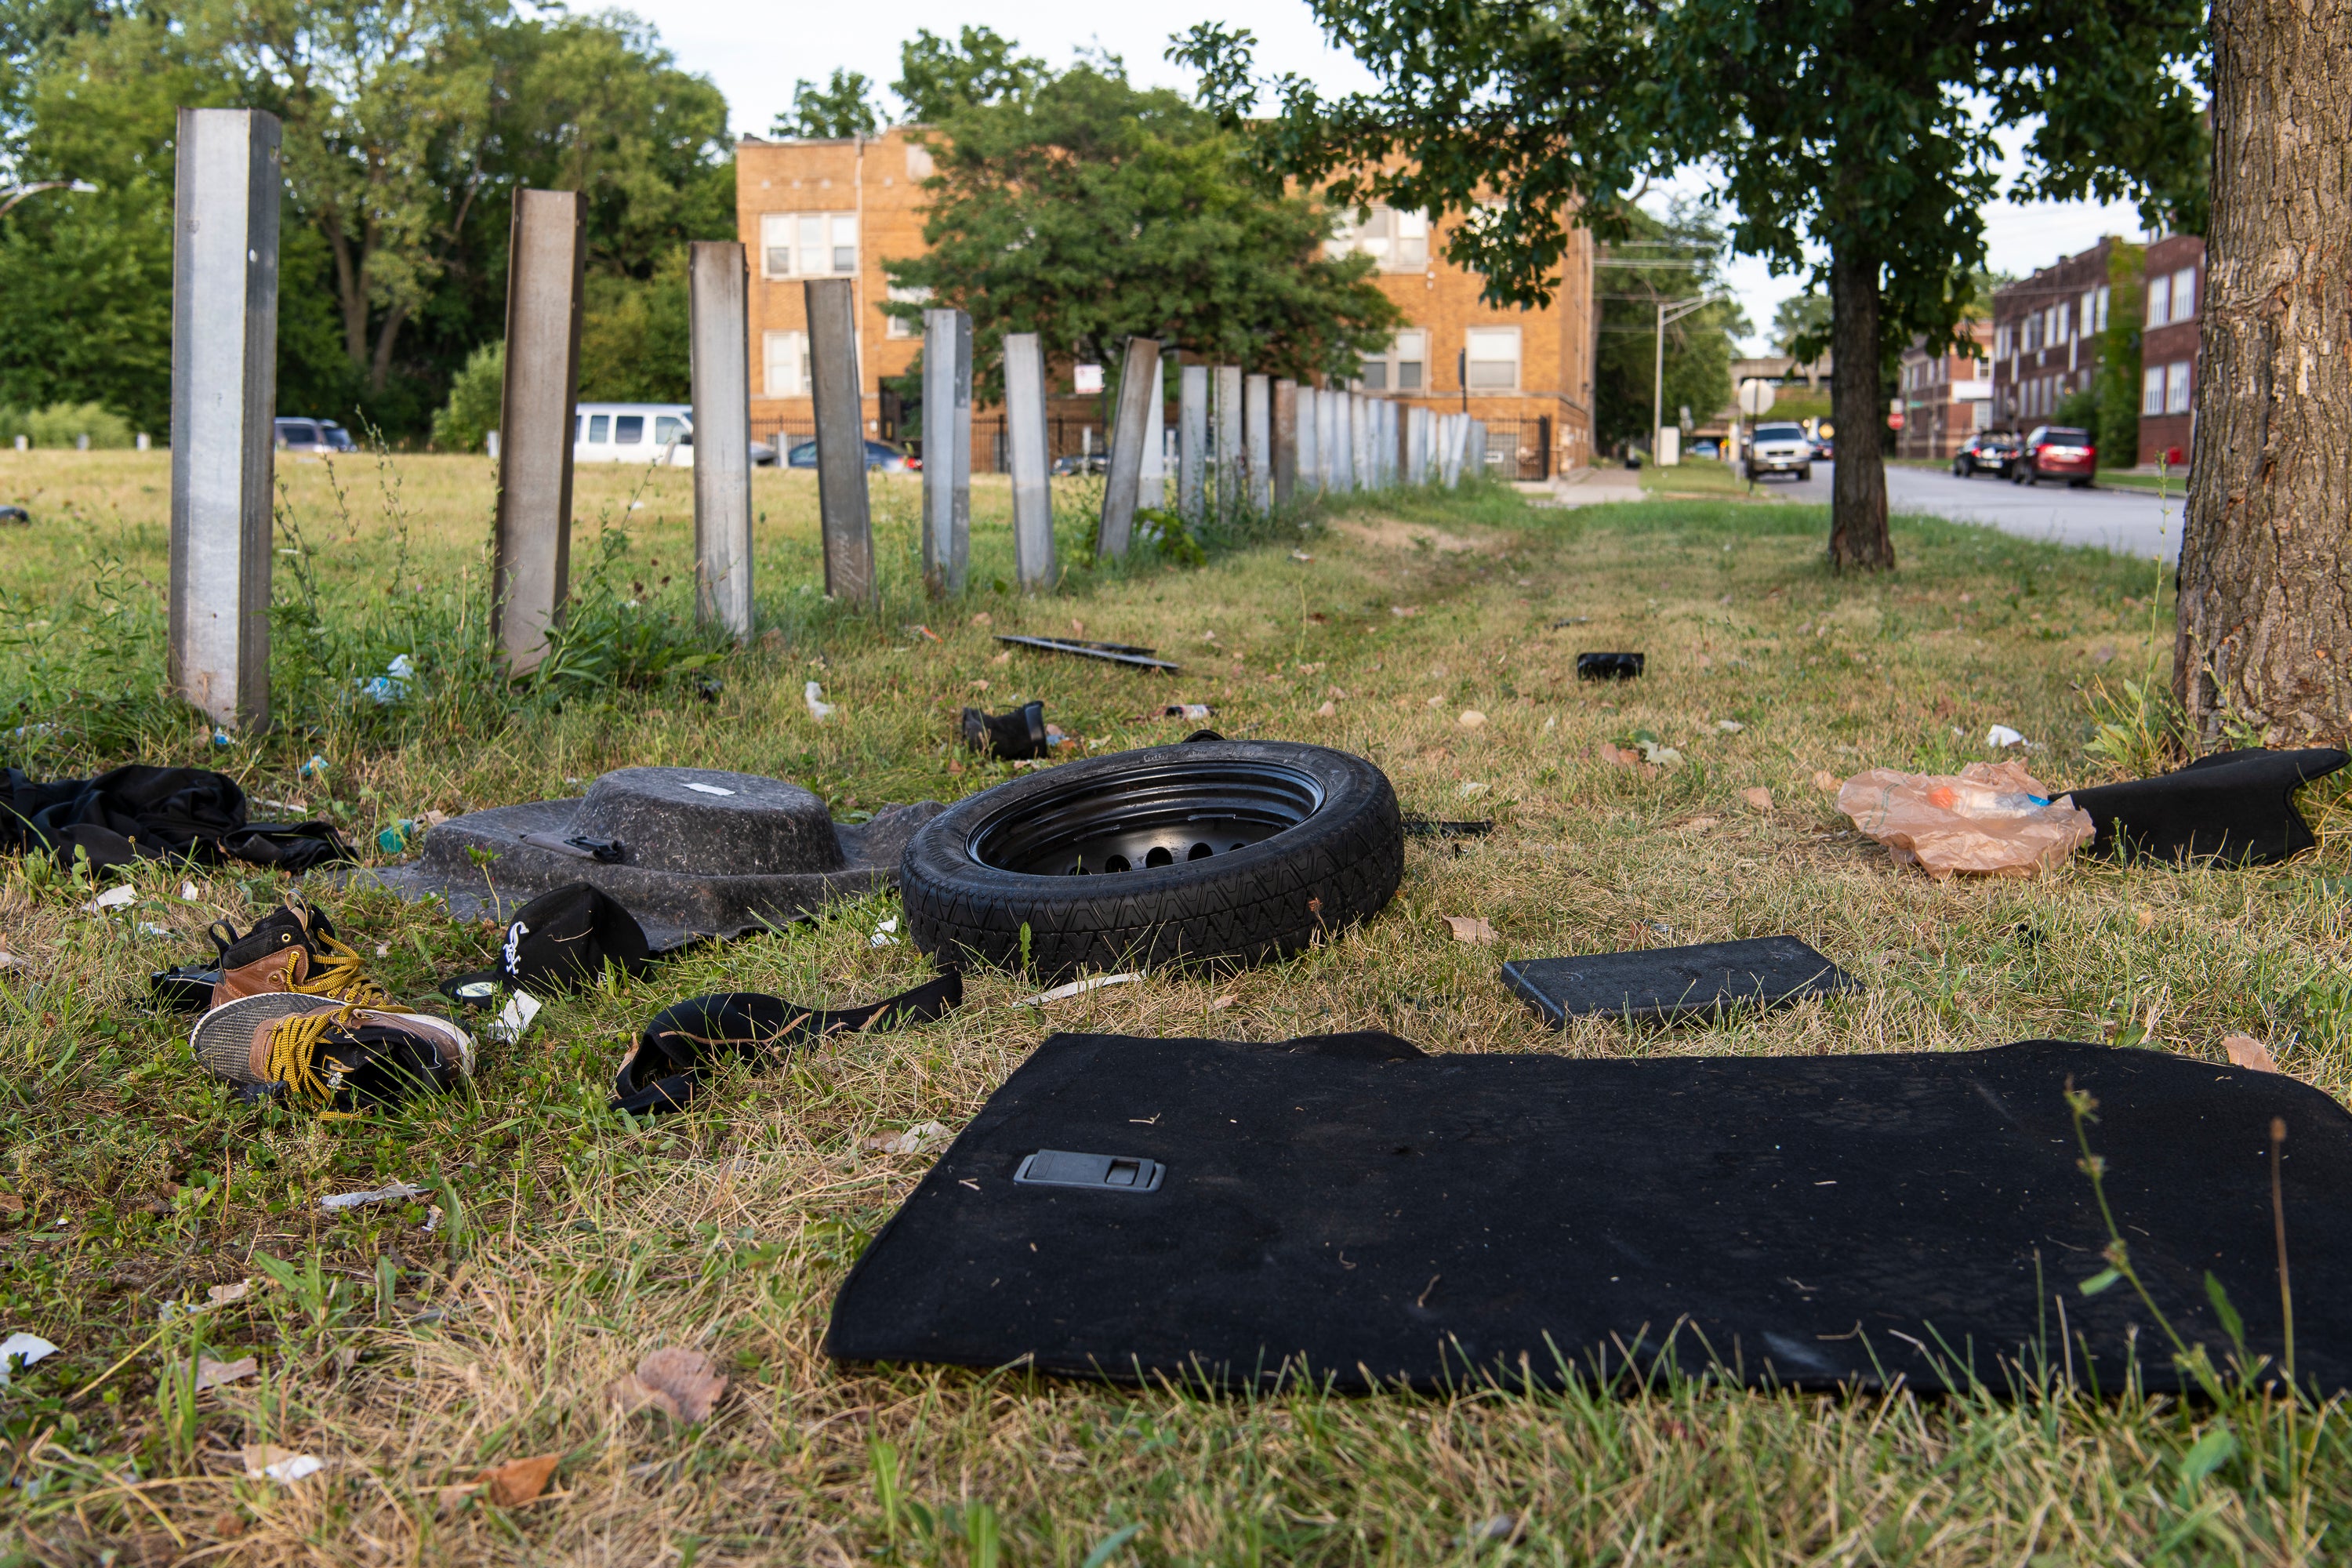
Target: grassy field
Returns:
[[574, 1242]]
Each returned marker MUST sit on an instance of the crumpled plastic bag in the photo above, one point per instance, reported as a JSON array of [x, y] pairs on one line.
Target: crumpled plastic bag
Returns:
[[1994, 819]]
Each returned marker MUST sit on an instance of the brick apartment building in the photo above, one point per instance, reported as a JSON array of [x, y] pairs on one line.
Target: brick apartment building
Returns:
[[2168, 352], [2043, 335], [1946, 398], [841, 208]]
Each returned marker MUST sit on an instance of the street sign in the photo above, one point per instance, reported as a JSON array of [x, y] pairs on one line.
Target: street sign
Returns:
[[1089, 378], [1755, 397], [1895, 420]]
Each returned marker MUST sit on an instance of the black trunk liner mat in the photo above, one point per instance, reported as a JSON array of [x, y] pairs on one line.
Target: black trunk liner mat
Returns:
[[1346, 1206]]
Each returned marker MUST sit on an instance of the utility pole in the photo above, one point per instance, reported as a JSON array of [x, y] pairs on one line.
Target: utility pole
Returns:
[[1669, 312]]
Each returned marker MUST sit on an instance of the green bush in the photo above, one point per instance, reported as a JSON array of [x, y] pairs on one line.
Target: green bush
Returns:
[[476, 393], [62, 425]]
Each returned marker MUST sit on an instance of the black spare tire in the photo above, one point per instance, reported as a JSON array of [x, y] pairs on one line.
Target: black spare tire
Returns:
[[1235, 850]]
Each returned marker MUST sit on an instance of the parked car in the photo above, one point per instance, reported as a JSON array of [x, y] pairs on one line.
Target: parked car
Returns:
[[1706, 450], [878, 455], [1824, 449], [297, 433], [1083, 463], [1988, 451], [642, 433], [2056, 452], [1781, 450]]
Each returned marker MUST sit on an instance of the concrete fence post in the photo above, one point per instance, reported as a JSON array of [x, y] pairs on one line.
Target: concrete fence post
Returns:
[[1032, 489], [1449, 449], [1192, 442], [224, 404], [717, 283], [1226, 409], [1389, 439], [1257, 440], [1283, 482], [1138, 385], [1152, 478], [1326, 444], [946, 451], [844, 513], [545, 254], [1343, 444], [1476, 459]]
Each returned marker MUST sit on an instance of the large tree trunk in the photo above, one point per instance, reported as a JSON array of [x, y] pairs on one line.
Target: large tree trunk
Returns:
[[1858, 538], [2264, 612]]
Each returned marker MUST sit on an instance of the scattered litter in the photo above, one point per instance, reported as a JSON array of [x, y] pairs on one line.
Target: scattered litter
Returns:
[[1675, 982], [1404, 609], [223, 738], [1419, 827], [121, 895], [514, 1018], [819, 709], [1472, 719], [1994, 818], [398, 1192], [1729, 726], [1571, 621], [1469, 927], [315, 768], [1075, 988], [927, 632], [149, 927], [1474, 787], [1658, 755], [913, 1141], [2245, 1051], [1300, 556], [432, 1219], [1550, 724], [518, 1482], [22, 1350], [1758, 797], [1181, 711], [722, 789], [391, 685], [10, 961], [211, 1374], [269, 1461], [187, 892], [1114, 652], [677, 1381], [2000, 737], [1023, 732], [884, 934], [16, 514], [1608, 665]]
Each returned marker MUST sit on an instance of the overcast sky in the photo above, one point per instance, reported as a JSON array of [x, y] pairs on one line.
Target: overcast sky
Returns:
[[754, 52]]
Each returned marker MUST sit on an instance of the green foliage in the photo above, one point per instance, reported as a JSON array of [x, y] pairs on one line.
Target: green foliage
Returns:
[[63, 425], [610, 638], [634, 335], [1089, 210], [843, 108], [477, 396], [1163, 532], [936, 78], [1628, 286]]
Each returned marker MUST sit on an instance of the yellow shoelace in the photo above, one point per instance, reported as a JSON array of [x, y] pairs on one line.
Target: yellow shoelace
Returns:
[[294, 1043], [339, 975]]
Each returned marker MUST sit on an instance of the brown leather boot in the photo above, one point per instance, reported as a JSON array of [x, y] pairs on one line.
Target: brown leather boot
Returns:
[[292, 948]]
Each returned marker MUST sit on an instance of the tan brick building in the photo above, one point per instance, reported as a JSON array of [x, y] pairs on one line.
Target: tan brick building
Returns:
[[1946, 398], [827, 209], [2167, 348]]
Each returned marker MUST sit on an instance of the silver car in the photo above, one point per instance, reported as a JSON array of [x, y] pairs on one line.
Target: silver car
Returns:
[[1780, 449]]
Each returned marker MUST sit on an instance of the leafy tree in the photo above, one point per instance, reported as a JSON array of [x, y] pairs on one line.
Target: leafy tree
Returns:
[[841, 109], [1863, 126], [1801, 318], [1090, 211], [1660, 260], [477, 396], [937, 77]]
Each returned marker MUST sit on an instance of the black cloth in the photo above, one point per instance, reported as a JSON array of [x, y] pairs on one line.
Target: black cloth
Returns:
[[2238, 806], [1016, 735], [1351, 1207], [662, 1071], [558, 942], [160, 814]]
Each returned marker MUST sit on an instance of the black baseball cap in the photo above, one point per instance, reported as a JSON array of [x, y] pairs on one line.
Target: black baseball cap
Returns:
[[560, 942]]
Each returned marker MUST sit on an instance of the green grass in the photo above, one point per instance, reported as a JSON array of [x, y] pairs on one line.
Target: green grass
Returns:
[[575, 1241]]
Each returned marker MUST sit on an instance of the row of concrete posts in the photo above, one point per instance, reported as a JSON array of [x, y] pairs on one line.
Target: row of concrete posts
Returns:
[[1275, 443]]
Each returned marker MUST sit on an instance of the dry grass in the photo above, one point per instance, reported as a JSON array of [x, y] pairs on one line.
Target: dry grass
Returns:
[[578, 1242]]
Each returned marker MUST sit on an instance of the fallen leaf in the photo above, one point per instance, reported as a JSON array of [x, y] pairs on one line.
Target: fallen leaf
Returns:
[[1469, 927], [1328, 710], [518, 1481], [1758, 797], [1004, 658], [980, 686], [211, 1374], [678, 1382], [1729, 726], [1220, 1004], [2142, 918], [1827, 781], [982, 619], [10, 1204], [2245, 1051], [1621, 756], [1078, 627], [1436, 702], [1339, 693], [1705, 662], [1472, 719]]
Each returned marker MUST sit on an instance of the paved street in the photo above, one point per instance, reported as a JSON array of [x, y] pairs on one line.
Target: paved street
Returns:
[[2124, 521]]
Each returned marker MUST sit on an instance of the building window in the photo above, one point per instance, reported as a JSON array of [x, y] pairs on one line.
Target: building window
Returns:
[[628, 430], [600, 428], [2184, 294], [668, 427], [785, 355], [1398, 241], [896, 326], [2151, 390], [1494, 358], [1401, 367], [2159, 304], [2102, 303], [2176, 387], [808, 245]]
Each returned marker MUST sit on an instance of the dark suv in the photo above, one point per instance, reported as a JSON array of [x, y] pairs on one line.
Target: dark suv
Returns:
[[2056, 452], [1987, 451]]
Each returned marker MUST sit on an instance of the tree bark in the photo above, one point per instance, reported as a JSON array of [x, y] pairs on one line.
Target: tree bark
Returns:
[[1858, 537], [2264, 610]]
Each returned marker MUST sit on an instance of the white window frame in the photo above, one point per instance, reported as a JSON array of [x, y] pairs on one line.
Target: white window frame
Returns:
[[895, 326], [1491, 337], [1384, 372], [783, 364], [2151, 390], [2105, 291], [2177, 388], [1396, 241], [787, 236], [2184, 294], [2159, 302]]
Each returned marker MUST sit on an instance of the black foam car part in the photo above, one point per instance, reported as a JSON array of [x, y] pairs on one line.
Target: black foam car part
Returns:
[[1608, 665], [1020, 733], [1345, 1208], [1676, 982], [2237, 806], [664, 1069]]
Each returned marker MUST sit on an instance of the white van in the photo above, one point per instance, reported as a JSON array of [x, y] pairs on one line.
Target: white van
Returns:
[[642, 433]]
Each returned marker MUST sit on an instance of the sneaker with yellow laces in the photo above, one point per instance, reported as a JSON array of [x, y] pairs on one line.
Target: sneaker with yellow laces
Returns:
[[292, 948], [333, 1057]]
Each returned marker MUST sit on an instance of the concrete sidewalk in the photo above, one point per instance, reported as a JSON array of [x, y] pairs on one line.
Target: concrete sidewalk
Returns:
[[1582, 486]]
